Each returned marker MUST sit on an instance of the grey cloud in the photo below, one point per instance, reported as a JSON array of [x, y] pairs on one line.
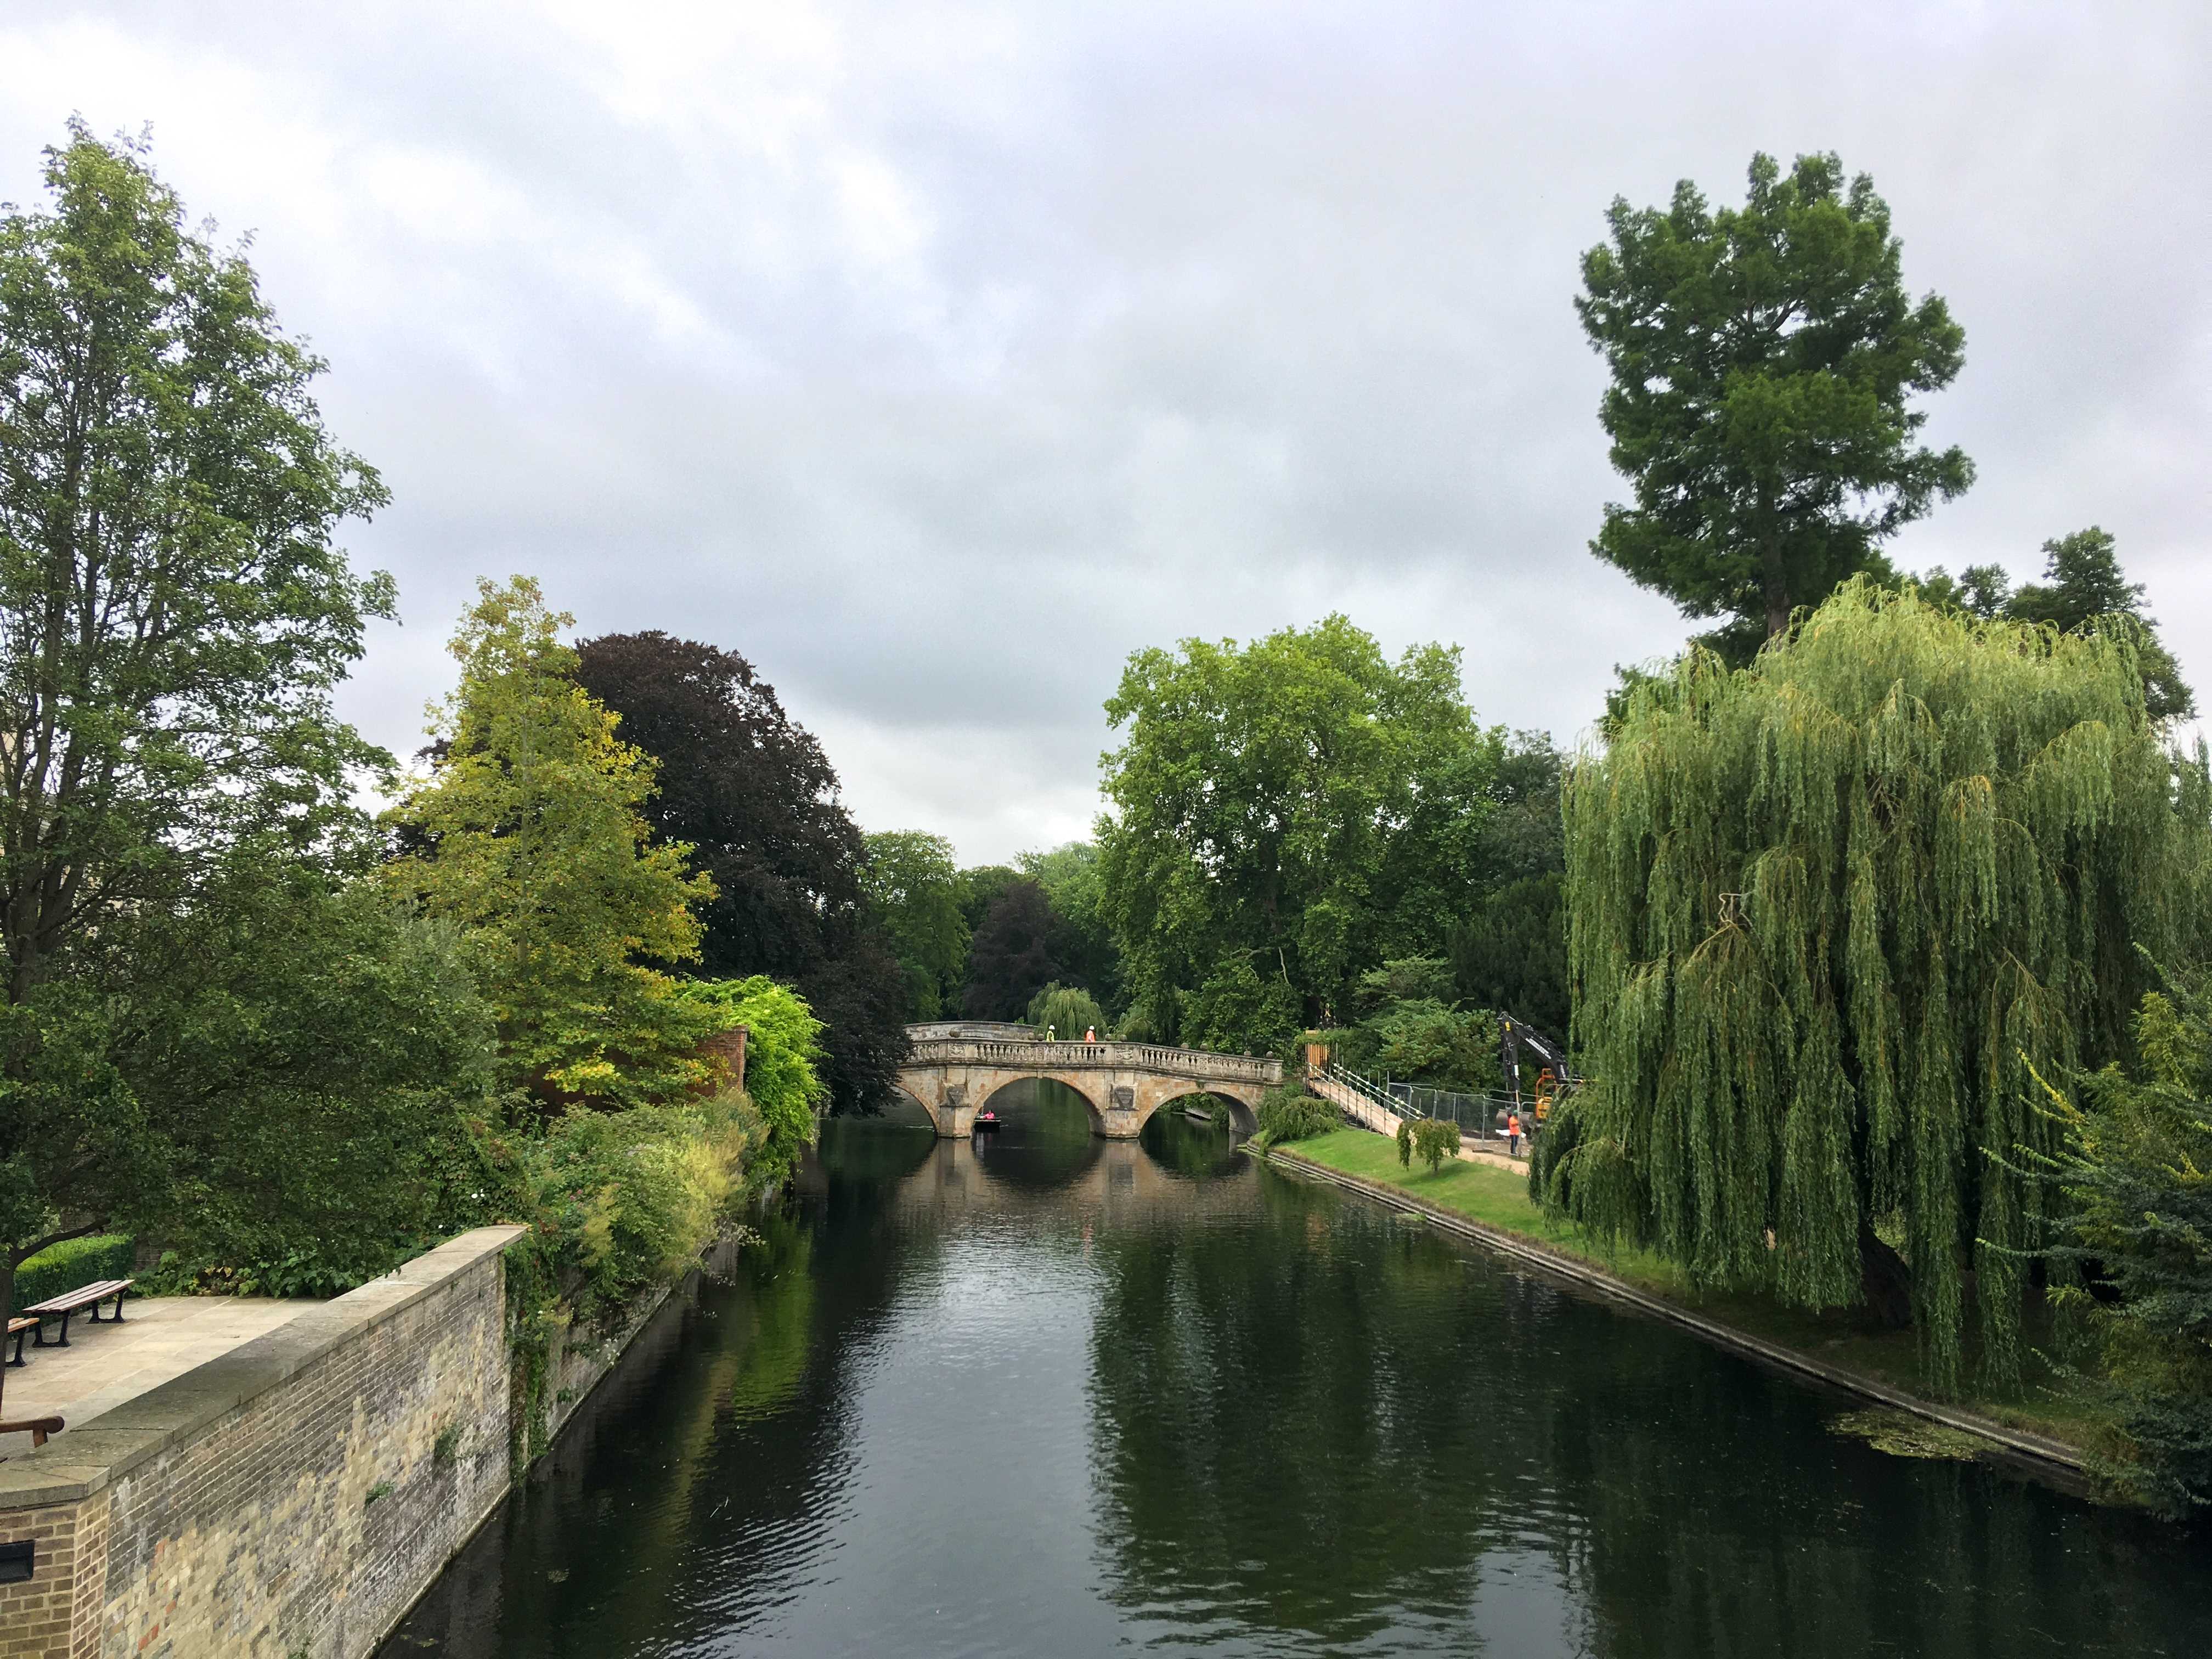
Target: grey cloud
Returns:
[[938, 357]]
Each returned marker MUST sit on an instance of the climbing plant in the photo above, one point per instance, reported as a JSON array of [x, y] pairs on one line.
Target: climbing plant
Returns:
[[1825, 914]]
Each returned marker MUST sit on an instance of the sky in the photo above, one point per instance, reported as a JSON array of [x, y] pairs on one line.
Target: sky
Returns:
[[936, 357]]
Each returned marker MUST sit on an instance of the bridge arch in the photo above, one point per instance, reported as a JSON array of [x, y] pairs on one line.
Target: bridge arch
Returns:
[[1075, 1084], [1123, 1083]]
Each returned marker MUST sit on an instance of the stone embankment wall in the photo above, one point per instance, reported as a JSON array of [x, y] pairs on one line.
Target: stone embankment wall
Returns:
[[292, 1497]]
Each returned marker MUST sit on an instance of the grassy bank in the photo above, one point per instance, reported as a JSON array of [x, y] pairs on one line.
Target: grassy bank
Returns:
[[2044, 1403]]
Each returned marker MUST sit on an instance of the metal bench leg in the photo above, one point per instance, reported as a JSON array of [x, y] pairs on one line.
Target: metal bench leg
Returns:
[[63, 1343], [19, 1335], [116, 1318]]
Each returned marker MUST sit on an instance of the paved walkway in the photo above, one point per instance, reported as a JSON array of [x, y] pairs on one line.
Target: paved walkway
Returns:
[[106, 1364]]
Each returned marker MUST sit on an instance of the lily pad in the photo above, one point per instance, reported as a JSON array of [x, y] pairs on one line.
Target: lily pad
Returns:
[[1903, 1435]]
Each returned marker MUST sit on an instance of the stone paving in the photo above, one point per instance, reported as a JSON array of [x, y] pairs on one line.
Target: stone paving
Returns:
[[106, 1364]]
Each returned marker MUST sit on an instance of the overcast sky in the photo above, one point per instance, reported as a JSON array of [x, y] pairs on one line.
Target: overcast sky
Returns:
[[936, 357]]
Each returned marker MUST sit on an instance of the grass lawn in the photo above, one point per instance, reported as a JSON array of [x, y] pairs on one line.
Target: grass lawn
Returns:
[[2043, 1404]]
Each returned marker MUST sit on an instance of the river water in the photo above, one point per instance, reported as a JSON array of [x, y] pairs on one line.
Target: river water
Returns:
[[1047, 1396]]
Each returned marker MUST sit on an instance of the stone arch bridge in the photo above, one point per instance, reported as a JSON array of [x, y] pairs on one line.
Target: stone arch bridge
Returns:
[[1123, 1083]]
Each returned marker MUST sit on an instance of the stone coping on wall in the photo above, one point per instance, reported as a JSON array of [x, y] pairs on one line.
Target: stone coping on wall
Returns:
[[75, 1465]]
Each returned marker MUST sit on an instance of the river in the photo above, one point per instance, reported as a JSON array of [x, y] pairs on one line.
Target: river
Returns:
[[1047, 1396]]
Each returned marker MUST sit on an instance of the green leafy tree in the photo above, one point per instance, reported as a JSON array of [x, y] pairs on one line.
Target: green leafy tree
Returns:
[[2083, 588], [1082, 941], [1068, 1010], [1763, 361], [1826, 914], [1284, 815], [2135, 1169], [174, 616], [914, 889], [1405, 1140], [1435, 1140], [1510, 952], [531, 838]]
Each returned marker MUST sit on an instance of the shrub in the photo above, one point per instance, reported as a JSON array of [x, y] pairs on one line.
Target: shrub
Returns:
[[1405, 1143], [1289, 1113], [629, 1199], [1435, 1140], [71, 1265]]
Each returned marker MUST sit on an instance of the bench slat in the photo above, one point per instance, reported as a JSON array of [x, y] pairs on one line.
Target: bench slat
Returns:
[[84, 1296]]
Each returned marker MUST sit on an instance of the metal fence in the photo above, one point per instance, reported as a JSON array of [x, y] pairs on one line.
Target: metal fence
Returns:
[[1479, 1117]]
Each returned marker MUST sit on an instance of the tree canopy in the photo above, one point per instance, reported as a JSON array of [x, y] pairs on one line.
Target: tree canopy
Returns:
[[1829, 914], [174, 616], [915, 891], [1282, 816], [532, 841], [2133, 1170], [1763, 361], [2083, 588], [1010, 958], [749, 790]]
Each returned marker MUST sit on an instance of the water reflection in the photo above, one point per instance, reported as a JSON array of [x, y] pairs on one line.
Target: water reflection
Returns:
[[1046, 1394]]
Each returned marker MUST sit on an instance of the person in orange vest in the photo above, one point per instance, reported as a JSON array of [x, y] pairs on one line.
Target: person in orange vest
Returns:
[[1091, 1034], [1513, 1135]]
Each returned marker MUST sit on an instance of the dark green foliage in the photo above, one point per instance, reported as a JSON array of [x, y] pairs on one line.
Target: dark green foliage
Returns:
[[1827, 912], [71, 1264], [1427, 1042], [309, 1061], [1009, 957], [1511, 954], [1236, 1011], [1290, 1114], [2083, 588], [1762, 360], [2136, 1165], [1405, 1140], [750, 791]]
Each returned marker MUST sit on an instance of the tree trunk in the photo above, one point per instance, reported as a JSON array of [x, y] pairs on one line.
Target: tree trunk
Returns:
[[1885, 1282], [8, 1310]]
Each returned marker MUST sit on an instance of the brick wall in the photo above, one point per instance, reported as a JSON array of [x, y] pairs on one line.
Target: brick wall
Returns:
[[292, 1496]]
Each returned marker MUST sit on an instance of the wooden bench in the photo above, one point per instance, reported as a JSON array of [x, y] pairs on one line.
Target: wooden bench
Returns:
[[76, 1301], [37, 1427], [16, 1328]]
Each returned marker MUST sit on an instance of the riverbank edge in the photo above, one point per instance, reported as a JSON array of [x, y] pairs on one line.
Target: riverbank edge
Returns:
[[2037, 1448]]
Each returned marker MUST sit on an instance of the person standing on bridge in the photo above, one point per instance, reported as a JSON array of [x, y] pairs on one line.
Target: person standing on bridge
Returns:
[[1091, 1034]]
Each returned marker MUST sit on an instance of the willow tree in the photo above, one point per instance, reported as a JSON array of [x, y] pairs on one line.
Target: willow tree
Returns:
[[1827, 912]]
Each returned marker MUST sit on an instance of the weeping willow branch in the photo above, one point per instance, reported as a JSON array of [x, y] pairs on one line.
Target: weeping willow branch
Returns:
[[1827, 916]]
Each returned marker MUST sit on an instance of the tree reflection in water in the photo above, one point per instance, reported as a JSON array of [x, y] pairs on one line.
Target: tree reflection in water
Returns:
[[1047, 1393]]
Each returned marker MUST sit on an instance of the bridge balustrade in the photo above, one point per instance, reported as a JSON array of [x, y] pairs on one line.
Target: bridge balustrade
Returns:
[[1062, 1056]]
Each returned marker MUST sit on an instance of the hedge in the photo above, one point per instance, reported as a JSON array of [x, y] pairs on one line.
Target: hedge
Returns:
[[70, 1264]]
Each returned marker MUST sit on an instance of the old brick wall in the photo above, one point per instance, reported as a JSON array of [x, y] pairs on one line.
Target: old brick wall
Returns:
[[294, 1496], [37, 1615]]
